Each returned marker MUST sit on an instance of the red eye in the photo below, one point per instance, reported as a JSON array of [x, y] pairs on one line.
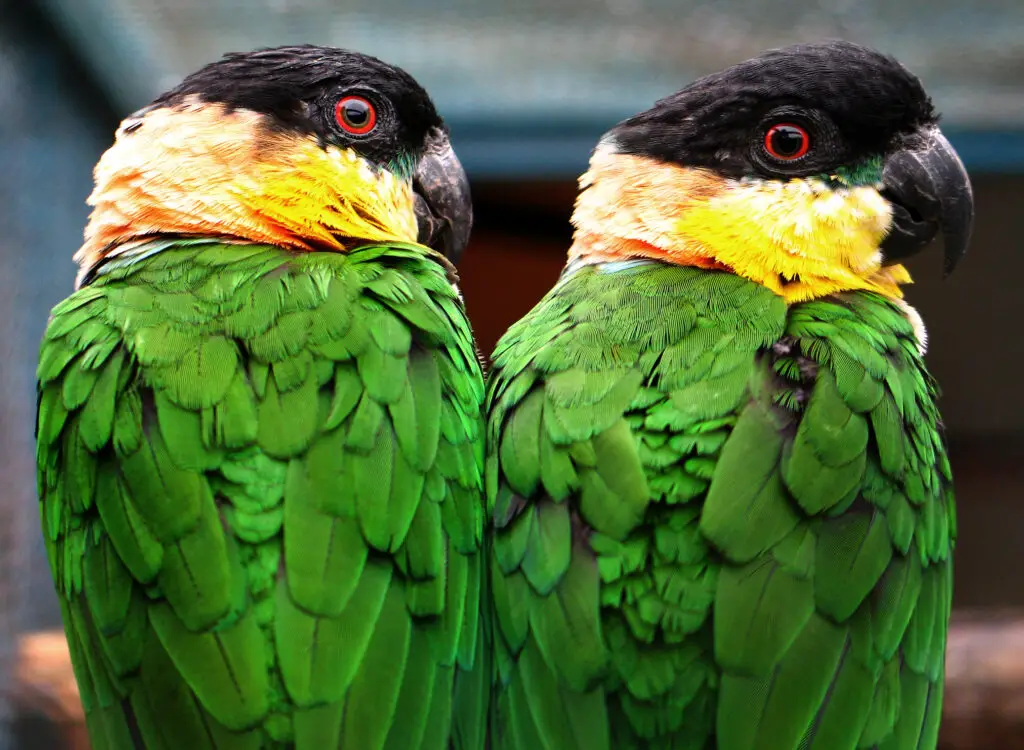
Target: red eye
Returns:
[[786, 141], [355, 115]]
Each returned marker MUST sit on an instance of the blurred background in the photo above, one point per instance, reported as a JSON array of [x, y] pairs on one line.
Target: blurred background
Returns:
[[527, 88]]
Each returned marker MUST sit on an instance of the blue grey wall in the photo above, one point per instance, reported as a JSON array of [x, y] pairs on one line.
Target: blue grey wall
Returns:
[[51, 133]]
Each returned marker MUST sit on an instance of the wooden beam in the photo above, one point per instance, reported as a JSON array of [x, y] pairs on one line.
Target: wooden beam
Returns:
[[983, 706], [45, 688]]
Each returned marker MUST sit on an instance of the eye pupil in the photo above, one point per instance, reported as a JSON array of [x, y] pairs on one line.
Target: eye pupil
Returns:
[[786, 141], [355, 115]]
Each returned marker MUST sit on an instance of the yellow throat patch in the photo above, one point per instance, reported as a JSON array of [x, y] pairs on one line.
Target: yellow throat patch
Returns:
[[801, 238], [197, 169]]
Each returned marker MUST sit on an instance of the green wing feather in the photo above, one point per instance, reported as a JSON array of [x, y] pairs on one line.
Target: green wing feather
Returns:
[[718, 522], [261, 481]]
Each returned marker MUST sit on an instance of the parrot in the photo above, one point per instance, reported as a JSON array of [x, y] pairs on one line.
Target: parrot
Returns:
[[719, 504], [260, 432]]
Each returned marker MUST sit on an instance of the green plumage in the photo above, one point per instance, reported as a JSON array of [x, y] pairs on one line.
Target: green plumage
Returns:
[[261, 484], [718, 522]]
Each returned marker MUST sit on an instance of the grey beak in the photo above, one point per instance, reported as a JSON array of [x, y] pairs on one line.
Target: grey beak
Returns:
[[929, 190], [444, 207]]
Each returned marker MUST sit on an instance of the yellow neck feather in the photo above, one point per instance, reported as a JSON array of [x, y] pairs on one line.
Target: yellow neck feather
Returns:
[[198, 169], [801, 238]]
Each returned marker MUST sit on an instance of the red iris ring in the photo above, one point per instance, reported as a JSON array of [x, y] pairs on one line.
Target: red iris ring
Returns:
[[348, 127], [805, 143]]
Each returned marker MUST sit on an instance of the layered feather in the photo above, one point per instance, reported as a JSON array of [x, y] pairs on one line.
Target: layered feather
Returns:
[[261, 487], [719, 522]]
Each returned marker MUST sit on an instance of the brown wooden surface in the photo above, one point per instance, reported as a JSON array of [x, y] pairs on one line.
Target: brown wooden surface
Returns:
[[45, 690], [983, 708], [984, 700]]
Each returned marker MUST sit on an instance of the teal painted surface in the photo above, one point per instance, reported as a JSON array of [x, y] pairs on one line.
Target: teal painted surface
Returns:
[[569, 58], [50, 137], [528, 86]]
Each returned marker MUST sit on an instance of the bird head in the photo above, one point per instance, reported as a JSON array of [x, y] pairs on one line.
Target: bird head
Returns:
[[310, 148], [811, 169]]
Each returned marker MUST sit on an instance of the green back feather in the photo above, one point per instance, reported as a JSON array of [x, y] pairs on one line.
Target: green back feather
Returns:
[[261, 490], [718, 522]]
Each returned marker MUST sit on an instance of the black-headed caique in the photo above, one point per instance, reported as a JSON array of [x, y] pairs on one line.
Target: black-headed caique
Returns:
[[719, 494], [260, 432]]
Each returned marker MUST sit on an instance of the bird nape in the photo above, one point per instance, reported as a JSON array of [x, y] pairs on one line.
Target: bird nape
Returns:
[[259, 431], [720, 506]]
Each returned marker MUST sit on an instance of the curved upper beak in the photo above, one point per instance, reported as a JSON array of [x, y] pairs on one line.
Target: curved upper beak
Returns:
[[444, 208], [929, 190]]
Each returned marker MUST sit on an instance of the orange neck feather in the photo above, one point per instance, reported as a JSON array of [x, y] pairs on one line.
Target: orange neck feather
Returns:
[[801, 238], [197, 169]]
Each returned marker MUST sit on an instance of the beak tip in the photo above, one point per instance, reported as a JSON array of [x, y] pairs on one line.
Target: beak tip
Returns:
[[953, 252], [931, 193]]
